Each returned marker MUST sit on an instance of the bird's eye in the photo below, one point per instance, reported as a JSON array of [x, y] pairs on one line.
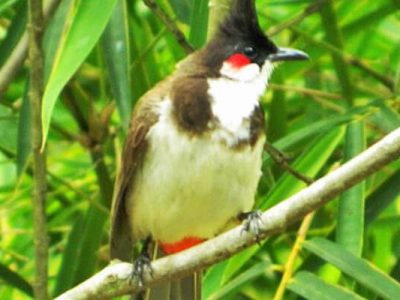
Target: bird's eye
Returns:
[[249, 51]]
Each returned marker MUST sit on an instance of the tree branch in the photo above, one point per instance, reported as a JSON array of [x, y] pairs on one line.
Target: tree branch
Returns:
[[114, 279], [36, 59], [169, 23]]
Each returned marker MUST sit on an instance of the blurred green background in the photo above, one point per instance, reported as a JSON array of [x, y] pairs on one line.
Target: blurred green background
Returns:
[[100, 57]]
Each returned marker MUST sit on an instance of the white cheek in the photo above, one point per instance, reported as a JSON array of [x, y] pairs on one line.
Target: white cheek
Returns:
[[244, 74], [266, 70]]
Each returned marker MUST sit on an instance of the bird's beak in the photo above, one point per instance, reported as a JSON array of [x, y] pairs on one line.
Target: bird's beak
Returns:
[[284, 54]]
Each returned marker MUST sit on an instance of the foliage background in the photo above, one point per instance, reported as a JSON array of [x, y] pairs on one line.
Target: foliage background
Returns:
[[99, 59]]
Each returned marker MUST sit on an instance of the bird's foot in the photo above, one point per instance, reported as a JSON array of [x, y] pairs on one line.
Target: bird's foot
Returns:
[[141, 264], [252, 223]]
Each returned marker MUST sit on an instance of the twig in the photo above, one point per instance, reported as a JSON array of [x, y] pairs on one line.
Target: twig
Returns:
[[281, 159], [385, 80], [287, 275], [309, 10], [115, 280], [305, 91], [16, 60], [170, 24], [36, 59]]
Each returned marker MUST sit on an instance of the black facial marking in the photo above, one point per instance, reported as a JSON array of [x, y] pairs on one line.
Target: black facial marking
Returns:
[[239, 33]]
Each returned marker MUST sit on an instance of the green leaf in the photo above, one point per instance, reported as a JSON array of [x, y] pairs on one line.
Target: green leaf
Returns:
[[309, 164], [311, 287], [313, 129], [386, 118], [14, 32], [115, 44], [71, 253], [17, 281], [277, 114], [334, 36], [7, 4], [384, 195], [85, 23], [24, 142], [350, 224], [183, 9], [359, 269], [235, 284], [199, 23], [90, 241], [8, 129], [212, 280]]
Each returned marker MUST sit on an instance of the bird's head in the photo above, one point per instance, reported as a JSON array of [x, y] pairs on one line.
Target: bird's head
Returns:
[[240, 50]]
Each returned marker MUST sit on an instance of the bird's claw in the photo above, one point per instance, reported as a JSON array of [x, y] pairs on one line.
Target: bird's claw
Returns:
[[140, 266], [252, 223]]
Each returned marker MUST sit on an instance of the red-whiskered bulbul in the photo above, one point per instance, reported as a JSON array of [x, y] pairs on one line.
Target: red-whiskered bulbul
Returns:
[[192, 159]]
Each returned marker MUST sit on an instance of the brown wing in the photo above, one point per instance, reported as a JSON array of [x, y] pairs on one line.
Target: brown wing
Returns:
[[121, 240]]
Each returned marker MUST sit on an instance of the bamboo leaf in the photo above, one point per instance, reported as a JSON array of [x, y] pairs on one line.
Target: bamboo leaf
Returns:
[[15, 31], [359, 269], [333, 34], [350, 224], [199, 23], [71, 253], [183, 9], [311, 287], [235, 284], [24, 142], [86, 22], [17, 281], [384, 195], [89, 243], [115, 44], [309, 164]]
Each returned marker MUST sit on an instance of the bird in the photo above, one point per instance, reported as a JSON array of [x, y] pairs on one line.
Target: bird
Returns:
[[193, 154]]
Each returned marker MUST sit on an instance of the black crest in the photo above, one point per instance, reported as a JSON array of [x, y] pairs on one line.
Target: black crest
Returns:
[[239, 30], [242, 21]]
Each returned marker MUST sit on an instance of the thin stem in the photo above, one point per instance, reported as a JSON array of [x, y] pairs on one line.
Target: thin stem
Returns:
[[289, 266], [281, 159], [170, 24], [40, 239]]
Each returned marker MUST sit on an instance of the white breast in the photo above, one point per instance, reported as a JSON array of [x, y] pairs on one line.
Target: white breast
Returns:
[[191, 186]]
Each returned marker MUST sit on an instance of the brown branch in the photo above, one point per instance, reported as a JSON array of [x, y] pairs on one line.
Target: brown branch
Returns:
[[281, 159], [309, 10], [304, 91], [115, 280], [36, 59], [170, 24]]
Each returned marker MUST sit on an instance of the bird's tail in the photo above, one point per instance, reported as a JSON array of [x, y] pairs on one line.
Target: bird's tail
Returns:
[[188, 288]]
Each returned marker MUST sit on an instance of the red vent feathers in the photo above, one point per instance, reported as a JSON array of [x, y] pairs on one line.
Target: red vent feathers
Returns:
[[186, 243]]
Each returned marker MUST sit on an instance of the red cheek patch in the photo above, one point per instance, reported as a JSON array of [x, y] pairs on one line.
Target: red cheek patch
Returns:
[[186, 243], [238, 60]]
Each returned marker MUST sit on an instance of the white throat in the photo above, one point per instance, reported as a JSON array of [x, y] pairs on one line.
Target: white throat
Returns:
[[234, 96]]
